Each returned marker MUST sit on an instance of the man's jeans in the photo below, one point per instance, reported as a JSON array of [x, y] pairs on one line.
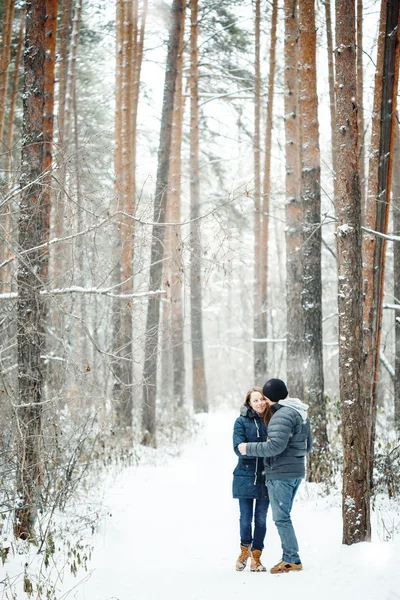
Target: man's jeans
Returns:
[[281, 495], [260, 522]]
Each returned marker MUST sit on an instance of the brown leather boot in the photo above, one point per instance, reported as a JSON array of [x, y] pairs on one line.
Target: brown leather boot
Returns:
[[243, 557], [256, 564], [285, 567]]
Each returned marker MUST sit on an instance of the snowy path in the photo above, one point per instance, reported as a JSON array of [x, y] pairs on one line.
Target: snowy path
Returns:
[[173, 535]]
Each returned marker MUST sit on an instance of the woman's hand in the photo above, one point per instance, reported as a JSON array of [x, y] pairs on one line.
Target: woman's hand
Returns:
[[242, 448]]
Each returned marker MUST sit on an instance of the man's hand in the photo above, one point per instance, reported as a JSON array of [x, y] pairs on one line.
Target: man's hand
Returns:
[[242, 448]]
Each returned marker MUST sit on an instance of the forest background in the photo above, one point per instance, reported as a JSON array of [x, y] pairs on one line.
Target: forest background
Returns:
[[195, 198]]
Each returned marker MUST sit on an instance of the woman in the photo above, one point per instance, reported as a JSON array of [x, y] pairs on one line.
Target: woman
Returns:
[[249, 480]]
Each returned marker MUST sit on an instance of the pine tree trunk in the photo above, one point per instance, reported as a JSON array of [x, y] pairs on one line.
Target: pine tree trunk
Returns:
[[122, 342], [49, 80], [30, 310], [267, 190], [396, 276], [176, 262], [360, 98], [153, 311], [331, 71], [354, 408], [388, 116], [259, 373], [5, 58], [313, 374], [6, 220], [199, 387], [293, 209], [59, 211], [13, 99]]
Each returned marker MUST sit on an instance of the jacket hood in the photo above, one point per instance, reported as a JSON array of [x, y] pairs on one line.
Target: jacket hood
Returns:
[[247, 411], [297, 404]]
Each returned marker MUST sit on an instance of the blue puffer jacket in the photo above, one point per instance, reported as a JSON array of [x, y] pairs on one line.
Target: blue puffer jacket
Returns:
[[289, 440], [248, 476]]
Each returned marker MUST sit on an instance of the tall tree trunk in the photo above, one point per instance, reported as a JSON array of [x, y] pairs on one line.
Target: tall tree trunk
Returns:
[[123, 367], [354, 408], [259, 374], [396, 276], [49, 79], [5, 216], [13, 98], [199, 387], [5, 58], [30, 333], [176, 262], [388, 115], [130, 41], [153, 310], [331, 76], [360, 98], [313, 374], [59, 208], [293, 209], [267, 190]]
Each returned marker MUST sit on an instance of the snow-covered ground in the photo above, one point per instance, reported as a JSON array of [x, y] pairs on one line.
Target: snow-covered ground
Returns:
[[172, 533]]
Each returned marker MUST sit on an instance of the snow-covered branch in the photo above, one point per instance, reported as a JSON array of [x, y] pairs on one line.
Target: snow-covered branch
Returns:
[[387, 364], [390, 237], [81, 290]]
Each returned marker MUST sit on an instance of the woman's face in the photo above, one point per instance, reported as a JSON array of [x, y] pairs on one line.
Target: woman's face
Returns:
[[257, 402]]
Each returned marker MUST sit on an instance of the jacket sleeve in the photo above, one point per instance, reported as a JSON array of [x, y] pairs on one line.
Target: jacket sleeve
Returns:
[[309, 439], [239, 435], [279, 431]]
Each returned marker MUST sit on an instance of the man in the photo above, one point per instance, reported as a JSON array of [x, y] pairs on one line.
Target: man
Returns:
[[289, 441]]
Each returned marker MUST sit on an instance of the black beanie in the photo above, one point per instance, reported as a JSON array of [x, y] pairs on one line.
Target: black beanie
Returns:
[[275, 389]]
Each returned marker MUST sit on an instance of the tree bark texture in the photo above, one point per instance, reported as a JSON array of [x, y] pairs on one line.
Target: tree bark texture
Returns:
[[293, 209], [59, 204], [157, 250], [388, 118], [331, 77], [360, 96], [49, 80], [199, 389], [267, 191], [259, 373], [30, 314], [13, 99], [396, 275], [123, 333], [175, 267], [354, 408], [5, 58], [313, 374]]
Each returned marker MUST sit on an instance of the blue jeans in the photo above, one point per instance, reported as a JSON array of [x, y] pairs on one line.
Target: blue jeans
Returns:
[[281, 495], [259, 508]]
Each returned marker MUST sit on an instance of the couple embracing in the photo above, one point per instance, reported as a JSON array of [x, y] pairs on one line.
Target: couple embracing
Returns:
[[272, 436]]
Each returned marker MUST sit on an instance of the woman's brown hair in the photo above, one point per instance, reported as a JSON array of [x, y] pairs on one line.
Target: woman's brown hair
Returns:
[[267, 414]]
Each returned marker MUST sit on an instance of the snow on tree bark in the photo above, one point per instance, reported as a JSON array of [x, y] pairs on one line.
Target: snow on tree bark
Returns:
[[354, 407], [293, 209], [5, 59], [199, 386], [259, 373], [396, 274], [267, 190], [313, 374], [30, 310], [157, 250]]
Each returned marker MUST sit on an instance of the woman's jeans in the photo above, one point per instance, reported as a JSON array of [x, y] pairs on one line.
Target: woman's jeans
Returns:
[[259, 508], [281, 494]]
